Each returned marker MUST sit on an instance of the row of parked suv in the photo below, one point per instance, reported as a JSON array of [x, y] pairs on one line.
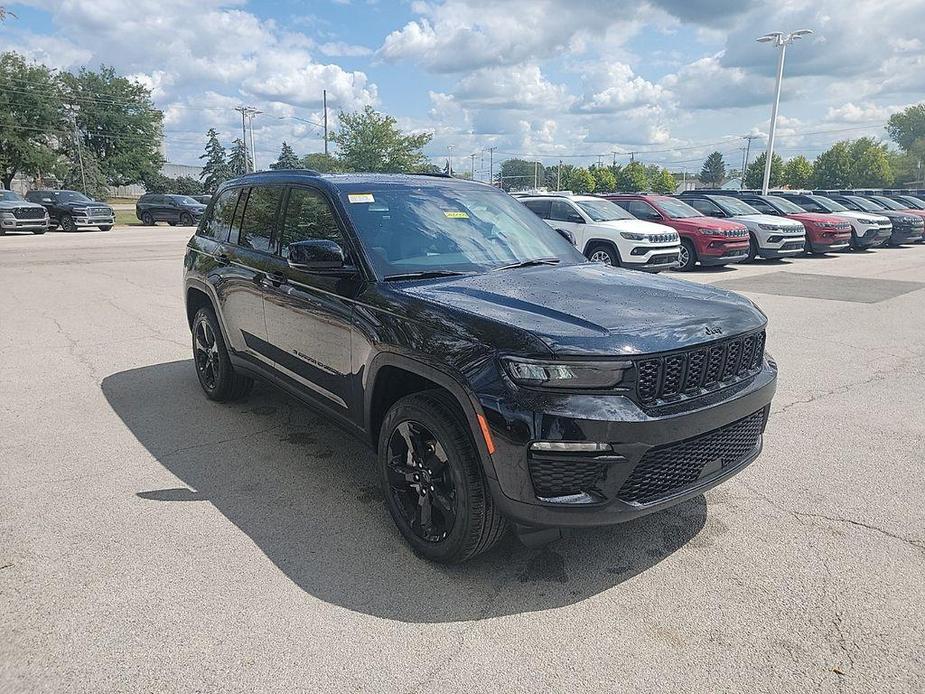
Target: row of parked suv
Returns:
[[718, 227], [44, 210]]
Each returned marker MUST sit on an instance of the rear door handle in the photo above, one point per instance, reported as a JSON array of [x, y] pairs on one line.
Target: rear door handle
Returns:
[[223, 258]]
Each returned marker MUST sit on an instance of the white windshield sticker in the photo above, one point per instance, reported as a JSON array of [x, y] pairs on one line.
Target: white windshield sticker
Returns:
[[360, 197]]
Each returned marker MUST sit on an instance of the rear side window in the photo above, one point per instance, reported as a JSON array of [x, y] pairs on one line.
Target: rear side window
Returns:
[[703, 205], [761, 206], [308, 217], [218, 224], [540, 207], [560, 211], [640, 209], [259, 218]]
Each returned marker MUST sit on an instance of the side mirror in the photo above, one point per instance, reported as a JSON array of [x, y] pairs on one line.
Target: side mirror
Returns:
[[315, 255], [567, 235], [575, 218]]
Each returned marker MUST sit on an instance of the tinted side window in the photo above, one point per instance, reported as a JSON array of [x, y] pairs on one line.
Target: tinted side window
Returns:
[[540, 207], [560, 211], [308, 217], [218, 225], [259, 218], [702, 205], [761, 206], [642, 210]]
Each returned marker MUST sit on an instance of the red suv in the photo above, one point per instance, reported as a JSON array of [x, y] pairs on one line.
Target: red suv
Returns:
[[706, 240]]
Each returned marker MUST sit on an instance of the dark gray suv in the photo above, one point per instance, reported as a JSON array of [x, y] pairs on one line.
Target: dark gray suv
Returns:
[[173, 209]]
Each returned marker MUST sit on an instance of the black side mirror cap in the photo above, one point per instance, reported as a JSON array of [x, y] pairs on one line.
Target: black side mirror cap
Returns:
[[575, 218], [316, 255], [567, 235]]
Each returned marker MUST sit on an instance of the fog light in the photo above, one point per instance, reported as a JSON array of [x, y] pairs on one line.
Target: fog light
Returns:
[[570, 446]]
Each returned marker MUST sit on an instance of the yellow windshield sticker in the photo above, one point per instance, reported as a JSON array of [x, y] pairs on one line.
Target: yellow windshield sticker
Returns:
[[454, 214], [360, 197]]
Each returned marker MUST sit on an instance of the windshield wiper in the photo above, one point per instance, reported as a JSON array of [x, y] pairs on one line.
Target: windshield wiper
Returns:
[[423, 275], [527, 263]]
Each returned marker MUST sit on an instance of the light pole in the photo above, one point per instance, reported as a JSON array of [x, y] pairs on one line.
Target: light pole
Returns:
[[781, 41]]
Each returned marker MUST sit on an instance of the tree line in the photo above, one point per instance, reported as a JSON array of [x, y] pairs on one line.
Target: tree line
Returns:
[[520, 174], [87, 129], [865, 162]]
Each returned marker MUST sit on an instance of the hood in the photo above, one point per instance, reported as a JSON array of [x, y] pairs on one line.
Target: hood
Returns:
[[900, 217], [816, 218], [637, 225], [782, 222], [865, 216], [706, 223], [594, 309], [77, 204], [17, 204]]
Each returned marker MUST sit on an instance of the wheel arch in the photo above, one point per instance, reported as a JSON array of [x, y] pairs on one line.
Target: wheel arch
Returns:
[[598, 240], [392, 376], [200, 294]]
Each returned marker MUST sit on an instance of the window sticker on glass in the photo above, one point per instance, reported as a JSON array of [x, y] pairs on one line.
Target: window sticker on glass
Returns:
[[454, 214], [360, 197]]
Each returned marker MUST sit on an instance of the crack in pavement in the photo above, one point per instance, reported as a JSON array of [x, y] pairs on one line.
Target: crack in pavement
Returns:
[[917, 544]]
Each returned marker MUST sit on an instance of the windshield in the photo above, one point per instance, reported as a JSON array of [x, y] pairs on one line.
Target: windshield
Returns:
[[603, 210], [829, 204], [675, 209], [733, 206], [71, 196], [184, 200], [9, 196], [456, 229], [784, 205], [914, 202], [864, 203], [887, 203]]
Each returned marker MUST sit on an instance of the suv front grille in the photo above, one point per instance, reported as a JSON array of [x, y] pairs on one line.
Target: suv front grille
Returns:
[[29, 213], [685, 373], [561, 477], [667, 469]]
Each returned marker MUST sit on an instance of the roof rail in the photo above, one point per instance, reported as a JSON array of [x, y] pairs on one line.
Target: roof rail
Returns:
[[435, 174]]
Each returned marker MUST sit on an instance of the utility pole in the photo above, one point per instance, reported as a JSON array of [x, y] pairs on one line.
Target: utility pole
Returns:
[[491, 165], [247, 116], [559, 176], [748, 148], [614, 159], [80, 158], [253, 112], [324, 101], [536, 167], [472, 166]]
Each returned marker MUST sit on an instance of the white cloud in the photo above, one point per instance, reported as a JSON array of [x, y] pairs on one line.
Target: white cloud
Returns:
[[615, 88]]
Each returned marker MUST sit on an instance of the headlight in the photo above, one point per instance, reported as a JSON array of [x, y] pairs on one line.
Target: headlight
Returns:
[[7, 215], [769, 227], [565, 374], [827, 225], [708, 232], [633, 236]]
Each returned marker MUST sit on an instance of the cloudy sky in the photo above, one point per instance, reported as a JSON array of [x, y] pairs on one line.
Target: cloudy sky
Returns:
[[571, 79]]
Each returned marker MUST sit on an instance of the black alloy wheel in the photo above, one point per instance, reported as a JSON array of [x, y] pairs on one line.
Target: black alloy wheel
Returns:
[[106, 227], [217, 376], [67, 223], [147, 219], [420, 482], [186, 219], [432, 479]]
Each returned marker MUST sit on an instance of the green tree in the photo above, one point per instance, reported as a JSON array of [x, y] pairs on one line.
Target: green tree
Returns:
[[557, 177], [185, 185], [240, 161], [215, 170], [32, 118], [518, 174], [798, 172], [754, 175], [287, 158], [117, 121], [81, 172], [832, 168], [907, 127], [604, 180], [714, 170], [664, 183], [322, 163], [633, 178], [371, 141], [870, 163], [581, 181]]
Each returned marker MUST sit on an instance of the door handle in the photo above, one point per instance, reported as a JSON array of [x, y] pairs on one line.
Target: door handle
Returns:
[[223, 258], [273, 279]]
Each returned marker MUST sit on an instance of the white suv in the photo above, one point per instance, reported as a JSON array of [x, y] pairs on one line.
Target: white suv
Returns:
[[606, 232]]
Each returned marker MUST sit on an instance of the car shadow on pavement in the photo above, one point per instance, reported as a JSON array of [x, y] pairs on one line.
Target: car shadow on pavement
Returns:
[[306, 495]]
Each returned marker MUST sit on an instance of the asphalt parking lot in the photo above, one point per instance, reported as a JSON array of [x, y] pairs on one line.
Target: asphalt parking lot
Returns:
[[151, 540]]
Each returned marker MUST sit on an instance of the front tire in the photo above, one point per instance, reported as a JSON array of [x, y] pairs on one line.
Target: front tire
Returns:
[[604, 253], [752, 248], [687, 256], [39, 232], [432, 480], [186, 220], [217, 376], [67, 223], [106, 227], [147, 219]]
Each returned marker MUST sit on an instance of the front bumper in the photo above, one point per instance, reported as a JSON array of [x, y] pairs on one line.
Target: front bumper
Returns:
[[720, 251], [95, 221], [784, 247], [636, 437], [905, 235], [23, 224], [826, 241], [652, 258]]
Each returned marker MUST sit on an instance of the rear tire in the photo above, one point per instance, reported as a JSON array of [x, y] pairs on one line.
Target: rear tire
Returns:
[[217, 376], [147, 219], [432, 480], [186, 220], [687, 257], [604, 253]]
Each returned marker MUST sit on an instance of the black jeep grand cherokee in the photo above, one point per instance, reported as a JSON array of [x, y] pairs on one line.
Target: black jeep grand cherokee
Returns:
[[500, 376]]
